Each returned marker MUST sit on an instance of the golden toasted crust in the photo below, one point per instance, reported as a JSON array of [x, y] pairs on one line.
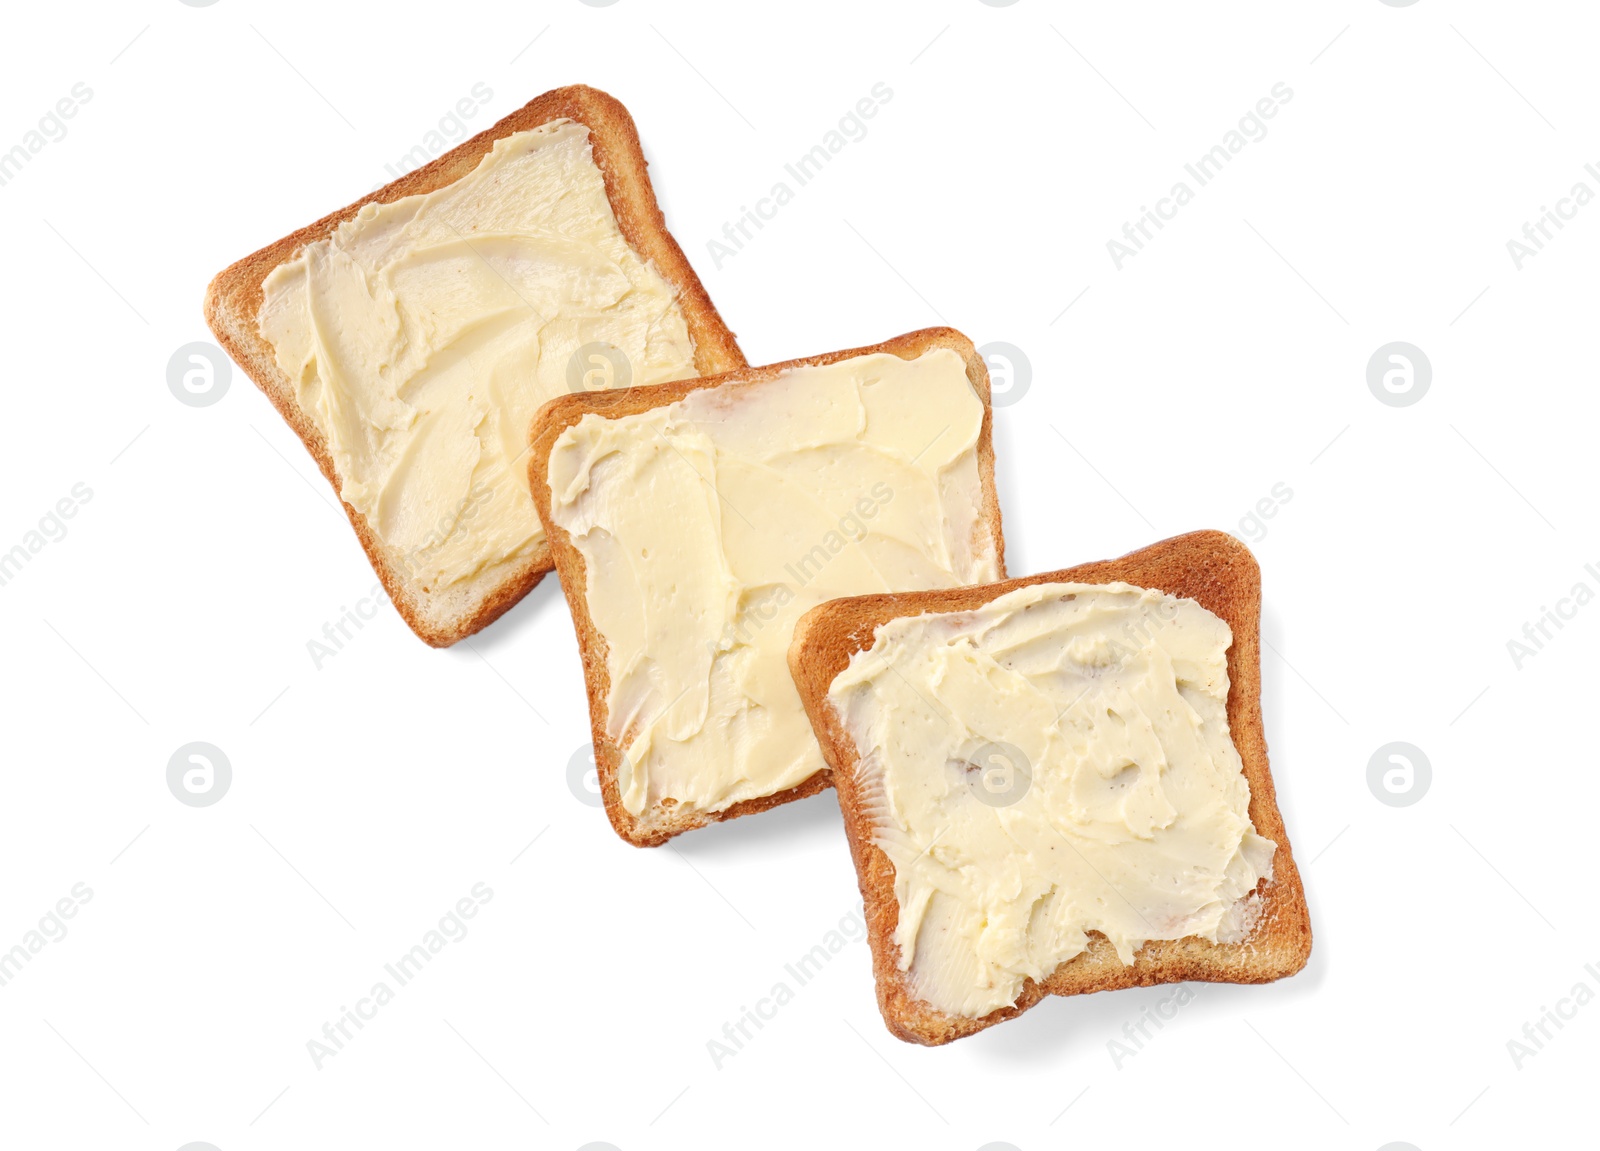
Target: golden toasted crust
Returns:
[[1209, 567], [555, 417], [233, 301]]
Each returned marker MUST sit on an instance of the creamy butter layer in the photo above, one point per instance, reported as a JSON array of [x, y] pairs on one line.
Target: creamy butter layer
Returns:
[[1055, 762], [424, 334], [709, 525]]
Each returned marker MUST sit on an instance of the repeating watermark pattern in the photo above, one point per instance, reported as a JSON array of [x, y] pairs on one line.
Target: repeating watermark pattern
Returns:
[[344, 627], [199, 374], [450, 130], [450, 928], [998, 774], [1399, 374], [848, 529], [738, 1032], [51, 129], [1138, 1032], [1537, 633], [1010, 372], [1551, 1021], [598, 367], [583, 777], [850, 128], [1252, 525], [1399, 774], [52, 928], [199, 774], [1536, 233], [1251, 129], [52, 528]]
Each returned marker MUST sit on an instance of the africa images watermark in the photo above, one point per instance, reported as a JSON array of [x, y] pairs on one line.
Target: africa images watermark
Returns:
[[1399, 774], [199, 774], [1136, 1033], [51, 529], [851, 128], [52, 128], [198, 374], [1551, 1021], [338, 632], [1135, 635], [450, 130], [451, 928], [1252, 128], [1252, 525], [345, 626], [51, 928], [1538, 632], [1536, 233], [850, 528], [739, 1031]]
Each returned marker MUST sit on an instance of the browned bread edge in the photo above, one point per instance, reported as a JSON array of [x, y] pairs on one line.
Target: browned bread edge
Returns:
[[1209, 567], [233, 301], [564, 411]]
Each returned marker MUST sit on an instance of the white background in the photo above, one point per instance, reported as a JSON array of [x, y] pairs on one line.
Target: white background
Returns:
[[1229, 356]]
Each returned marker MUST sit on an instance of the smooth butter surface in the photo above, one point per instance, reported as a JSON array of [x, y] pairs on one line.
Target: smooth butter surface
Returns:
[[1055, 762], [709, 525], [424, 334]]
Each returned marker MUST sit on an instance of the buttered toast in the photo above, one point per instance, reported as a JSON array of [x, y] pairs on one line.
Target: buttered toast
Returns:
[[1037, 851], [692, 522], [408, 338]]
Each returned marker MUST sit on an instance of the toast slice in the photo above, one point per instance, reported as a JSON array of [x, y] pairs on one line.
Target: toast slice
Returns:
[[443, 615], [1208, 567], [653, 822]]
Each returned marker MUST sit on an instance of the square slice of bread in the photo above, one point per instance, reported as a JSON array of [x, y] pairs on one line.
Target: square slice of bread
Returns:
[[657, 823], [234, 298], [1209, 567]]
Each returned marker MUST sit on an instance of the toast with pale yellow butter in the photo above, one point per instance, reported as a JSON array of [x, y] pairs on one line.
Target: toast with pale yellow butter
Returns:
[[1057, 784], [409, 338], [693, 522]]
